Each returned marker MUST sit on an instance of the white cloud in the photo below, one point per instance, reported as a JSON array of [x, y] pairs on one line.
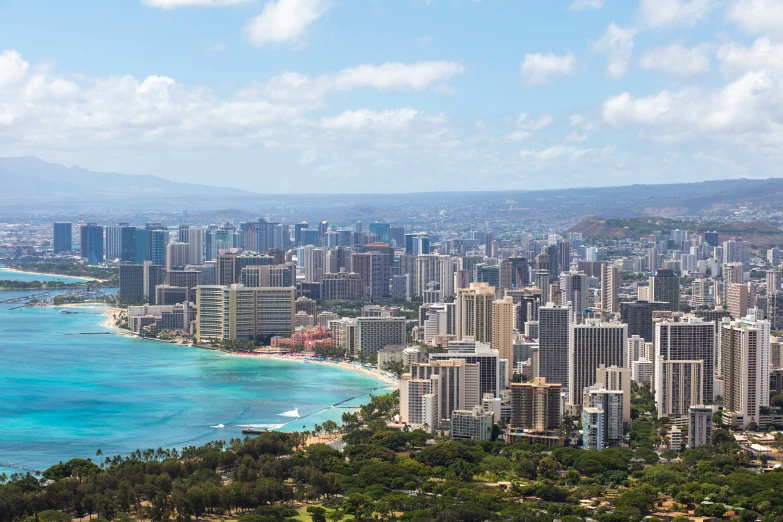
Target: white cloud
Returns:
[[539, 69], [12, 67], [617, 43], [284, 21], [525, 123], [750, 104], [661, 13], [677, 60], [554, 152], [763, 54], [170, 4], [757, 16], [366, 119], [397, 76], [581, 5]]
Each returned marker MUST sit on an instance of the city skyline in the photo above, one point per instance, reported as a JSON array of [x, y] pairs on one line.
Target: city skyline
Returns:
[[407, 96]]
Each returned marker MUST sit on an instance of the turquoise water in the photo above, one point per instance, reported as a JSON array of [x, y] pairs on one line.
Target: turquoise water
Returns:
[[64, 394], [16, 276]]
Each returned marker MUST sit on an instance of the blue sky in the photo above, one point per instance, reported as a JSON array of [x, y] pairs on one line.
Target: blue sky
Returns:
[[346, 96]]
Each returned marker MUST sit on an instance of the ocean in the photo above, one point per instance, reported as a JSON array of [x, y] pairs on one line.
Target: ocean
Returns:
[[68, 387]]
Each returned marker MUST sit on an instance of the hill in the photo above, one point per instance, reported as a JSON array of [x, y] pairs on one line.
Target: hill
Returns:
[[759, 233]]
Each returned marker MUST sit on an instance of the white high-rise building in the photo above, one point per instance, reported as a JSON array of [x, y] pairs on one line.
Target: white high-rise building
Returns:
[[690, 339], [593, 345], [113, 241], [615, 378], [503, 331], [679, 384], [635, 350], [554, 340], [744, 368], [474, 312], [610, 280]]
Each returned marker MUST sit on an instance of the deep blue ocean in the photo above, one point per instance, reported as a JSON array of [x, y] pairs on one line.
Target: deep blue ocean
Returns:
[[69, 387]]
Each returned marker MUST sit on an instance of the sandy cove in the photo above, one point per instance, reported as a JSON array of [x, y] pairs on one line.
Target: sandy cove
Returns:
[[111, 313]]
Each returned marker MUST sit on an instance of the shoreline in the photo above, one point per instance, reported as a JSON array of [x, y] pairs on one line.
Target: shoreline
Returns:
[[80, 278]]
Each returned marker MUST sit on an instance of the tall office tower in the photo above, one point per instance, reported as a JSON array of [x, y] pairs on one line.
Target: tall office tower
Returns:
[[737, 300], [189, 279], [773, 280], [733, 273], [744, 367], [380, 276], [635, 350], [194, 237], [487, 358], [228, 270], [63, 238], [711, 238], [408, 266], [700, 292], [617, 379], [223, 238], [564, 255], [398, 236], [591, 254], [131, 284], [474, 313], [362, 265], [543, 262], [737, 251], [773, 256], [323, 227], [592, 345], [177, 256], [153, 276], [313, 264], [92, 243], [489, 237], [638, 316], [542, 282], [400, 287], [520, 273], [652, 259], [503, 330], [575, 289], [775, 309], [554, 261], [127, 243], [505, 277], [170, 295], [114, 241], [490, 274], [693, 339], [554, 332], [602, 417], [688, 263], [376, 333], [382, 230], [699, 425], [535, 406], [665, 287], [427, 271], [454, 385], [298, 227], [610, 281], [282, 236], [417, 244]]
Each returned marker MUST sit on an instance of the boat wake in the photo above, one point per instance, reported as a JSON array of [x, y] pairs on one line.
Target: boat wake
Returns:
[[292, 413], [219, 426], [266, 426]]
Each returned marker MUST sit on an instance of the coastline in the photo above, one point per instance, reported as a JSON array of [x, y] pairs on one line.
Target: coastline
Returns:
[[16, 270]]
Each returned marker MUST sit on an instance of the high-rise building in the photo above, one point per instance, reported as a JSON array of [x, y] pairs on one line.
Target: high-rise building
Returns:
[[564, 255], [153, 276], [737, 251], [131, 284], [177, 256], [700, 292], [398, 236], [482, 354], [503, 331], [554, 332], [665, 287], [535, 406], [375, 333], [574, 289], [298, 227], [775, 309], [417, 244], [638, 316], [773, 256], [382, 231], [474, 313], [614, 378], [63, 238], [127, 244], [542, 282], [602, 417], [194, 237], [635, 350], [684, 361], [92, 243], [342, 286], [113, 241], [737, 300], [475, 424], [610, 282], [170, 295], [237, 312], [593, 345], [189, 279], [454, 386], [744, 368], [699, 426], [711, 238]]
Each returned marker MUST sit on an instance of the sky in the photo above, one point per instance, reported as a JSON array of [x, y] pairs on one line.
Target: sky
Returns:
[[394, 96]]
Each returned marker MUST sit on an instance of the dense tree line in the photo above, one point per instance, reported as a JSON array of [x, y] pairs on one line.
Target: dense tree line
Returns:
[[387, 474]]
